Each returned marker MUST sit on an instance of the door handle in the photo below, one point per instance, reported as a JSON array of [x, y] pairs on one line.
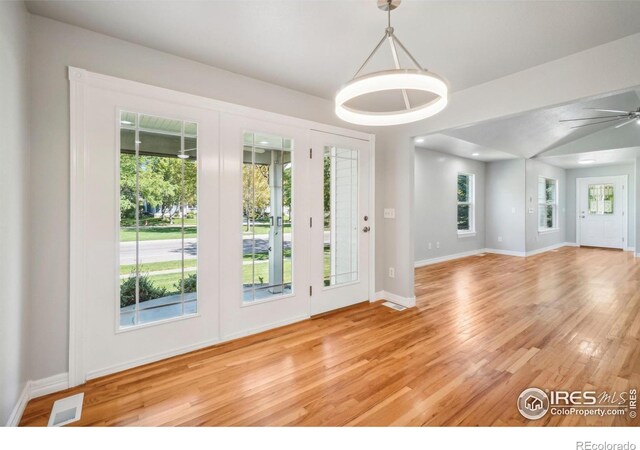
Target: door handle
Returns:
[[366, 229]]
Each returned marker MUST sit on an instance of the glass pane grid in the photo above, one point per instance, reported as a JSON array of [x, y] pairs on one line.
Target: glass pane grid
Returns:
[[267, 217], [340, 204], [158, 219], [601, 197]]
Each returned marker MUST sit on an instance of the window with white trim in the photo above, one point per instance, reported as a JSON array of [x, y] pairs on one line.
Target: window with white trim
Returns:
[[547, 204], [466, 206]]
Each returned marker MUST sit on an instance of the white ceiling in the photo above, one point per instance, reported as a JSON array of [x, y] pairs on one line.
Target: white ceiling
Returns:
[[535, 132], [599, 158], [315, 46], [459, 147]]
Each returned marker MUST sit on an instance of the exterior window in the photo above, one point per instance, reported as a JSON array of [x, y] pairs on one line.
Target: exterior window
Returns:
[[158, 219], [466, 207], [601, 199], [547, 204], [267, 228], [340, 198]]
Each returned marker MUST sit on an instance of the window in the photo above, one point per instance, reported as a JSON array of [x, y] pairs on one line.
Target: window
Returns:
[[340, 198], [601, 199], [547, 204], [466, 211], [267, 227], [158, 219]]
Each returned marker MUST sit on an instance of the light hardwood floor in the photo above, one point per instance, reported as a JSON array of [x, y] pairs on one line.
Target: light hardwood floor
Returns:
[[485, 328]]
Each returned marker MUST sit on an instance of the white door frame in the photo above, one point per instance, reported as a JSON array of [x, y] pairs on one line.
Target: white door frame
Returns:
[[79, 79], [625, 202]]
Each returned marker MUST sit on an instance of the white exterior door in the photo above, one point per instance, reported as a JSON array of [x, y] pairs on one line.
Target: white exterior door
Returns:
[[602, 211], [341, 221]]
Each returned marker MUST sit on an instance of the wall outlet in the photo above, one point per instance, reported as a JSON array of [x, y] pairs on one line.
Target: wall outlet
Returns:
[[392, 272], [438, 244], [389, 213], [429, 245], [530, 210], [499, 238]]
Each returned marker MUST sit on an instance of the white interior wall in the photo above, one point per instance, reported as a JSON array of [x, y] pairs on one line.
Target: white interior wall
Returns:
[[14, 188], [538, 240], [601, 171], [505, 206], [436, 205]]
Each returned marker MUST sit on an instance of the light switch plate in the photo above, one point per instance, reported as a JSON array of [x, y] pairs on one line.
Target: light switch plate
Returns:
[[389, 213]]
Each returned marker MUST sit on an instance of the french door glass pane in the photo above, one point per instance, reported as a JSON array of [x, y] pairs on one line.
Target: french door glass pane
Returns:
[[158, 218], [340, 215], [600, 199], [267, 227]]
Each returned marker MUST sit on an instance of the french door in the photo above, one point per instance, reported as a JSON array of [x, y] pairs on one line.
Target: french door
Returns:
[[602, 205], [194, 225], [341, 221]]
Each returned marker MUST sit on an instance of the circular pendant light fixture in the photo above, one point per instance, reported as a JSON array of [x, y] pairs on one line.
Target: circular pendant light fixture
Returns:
[[403, 80]]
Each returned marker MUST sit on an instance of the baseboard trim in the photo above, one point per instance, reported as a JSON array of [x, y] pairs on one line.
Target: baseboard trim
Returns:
[[427, 262], [34, 389], [49, 385], [505, 252], [630, 249], [408, 302], [546, 249], [21, 404]]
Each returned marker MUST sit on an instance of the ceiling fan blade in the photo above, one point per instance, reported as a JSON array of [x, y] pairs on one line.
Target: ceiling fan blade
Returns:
[[626, 123], [590, 118], [609, 110], [596, 123]]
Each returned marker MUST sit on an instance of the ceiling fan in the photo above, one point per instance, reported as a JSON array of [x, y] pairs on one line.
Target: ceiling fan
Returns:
[[626, 116]]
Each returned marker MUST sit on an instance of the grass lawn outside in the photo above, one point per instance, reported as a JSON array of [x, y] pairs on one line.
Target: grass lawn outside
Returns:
[[157, 266], [158, 233]]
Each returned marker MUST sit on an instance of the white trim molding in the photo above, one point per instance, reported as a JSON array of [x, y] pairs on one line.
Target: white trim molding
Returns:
[[439, 259], [49, 385], [407, 302], [18, 409], [546, 249], [505, 252], [34, 389]]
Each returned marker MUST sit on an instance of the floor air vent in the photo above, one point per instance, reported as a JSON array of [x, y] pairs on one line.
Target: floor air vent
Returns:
[[394, 306], [66, 410]]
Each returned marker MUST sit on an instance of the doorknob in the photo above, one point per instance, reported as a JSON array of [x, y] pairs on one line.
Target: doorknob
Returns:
[[366, 229]]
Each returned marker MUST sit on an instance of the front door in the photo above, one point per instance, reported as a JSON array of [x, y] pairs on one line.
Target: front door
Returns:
[[341, 221], [602, 205]]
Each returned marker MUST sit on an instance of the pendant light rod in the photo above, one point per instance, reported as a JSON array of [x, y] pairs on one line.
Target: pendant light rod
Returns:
[[366, 61]]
